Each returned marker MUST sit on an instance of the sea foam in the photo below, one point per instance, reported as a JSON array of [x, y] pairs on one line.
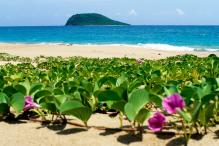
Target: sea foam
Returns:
[[167, 47]]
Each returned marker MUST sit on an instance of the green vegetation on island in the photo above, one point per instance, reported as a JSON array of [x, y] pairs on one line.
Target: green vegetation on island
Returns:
[[92, 19]]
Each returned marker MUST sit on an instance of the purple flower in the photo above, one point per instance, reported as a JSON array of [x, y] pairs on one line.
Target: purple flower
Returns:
[[29, 104], [173, 102], [156, 122]]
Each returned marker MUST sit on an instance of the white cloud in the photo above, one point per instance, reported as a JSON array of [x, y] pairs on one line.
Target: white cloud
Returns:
[[180, 12], [132, 12]]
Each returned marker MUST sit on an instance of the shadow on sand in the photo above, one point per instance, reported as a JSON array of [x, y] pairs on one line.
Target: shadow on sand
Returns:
[[56, 127], [127, 139], [60, 128], [71, 131], [109, 132], [165, 135], [179, 141], [130, 138], [197, 136], [216, 134]]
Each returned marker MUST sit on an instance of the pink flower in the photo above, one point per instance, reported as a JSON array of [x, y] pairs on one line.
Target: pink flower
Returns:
[[172, 103], [156, 122], [29, 104], [140, 60]]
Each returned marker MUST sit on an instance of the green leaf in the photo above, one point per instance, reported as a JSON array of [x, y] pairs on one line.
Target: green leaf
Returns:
[[188, 93], [108, 95], [202, 117], [17, 102], [207, 98], [87, 86], [137, 100], [142, 116], [26, 84], [76, 109], [58, 91], [4, 108], [184, 115], [171, 90], [76, 96], [16, 77], [209, 112], [130, 111], [34, 88], [69, 105], [217, 80], [204, 91], [156, 99], [133, 85], [206, 113], [119, 106], [3, 98], [49, 106], [121, 92], [20, 88], [156, 74], [60, 99], [42, 93], [104, 80], [9, 90], [196, 110], [121, 80]]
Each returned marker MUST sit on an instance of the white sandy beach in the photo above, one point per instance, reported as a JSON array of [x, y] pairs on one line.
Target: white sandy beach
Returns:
[[94, 51]]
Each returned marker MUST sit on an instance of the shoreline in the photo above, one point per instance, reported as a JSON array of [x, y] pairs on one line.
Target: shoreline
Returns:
[[95, 51], [155, 46]]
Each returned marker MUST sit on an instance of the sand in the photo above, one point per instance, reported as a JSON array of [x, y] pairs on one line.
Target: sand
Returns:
[[94, 51], [34, 134]]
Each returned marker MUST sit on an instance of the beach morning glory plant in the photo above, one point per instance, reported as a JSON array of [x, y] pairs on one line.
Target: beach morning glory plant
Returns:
[[172, 103], [157, 122], [29, 104]]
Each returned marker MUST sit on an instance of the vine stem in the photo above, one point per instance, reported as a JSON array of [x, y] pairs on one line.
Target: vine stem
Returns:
[[121, 119], [187, 135], [41, 114], [106, 128]]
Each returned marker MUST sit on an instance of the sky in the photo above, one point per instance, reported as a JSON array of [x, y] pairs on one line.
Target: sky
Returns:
[[136, 12]]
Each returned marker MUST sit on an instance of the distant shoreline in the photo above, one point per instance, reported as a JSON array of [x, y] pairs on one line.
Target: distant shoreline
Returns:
[[93, 51], [164, 47], [61, 25]]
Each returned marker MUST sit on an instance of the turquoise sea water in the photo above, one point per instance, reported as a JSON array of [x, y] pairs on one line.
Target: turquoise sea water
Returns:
[[162, 37]]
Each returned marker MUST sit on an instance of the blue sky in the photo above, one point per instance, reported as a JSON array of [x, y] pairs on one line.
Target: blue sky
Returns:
[[148, 12]]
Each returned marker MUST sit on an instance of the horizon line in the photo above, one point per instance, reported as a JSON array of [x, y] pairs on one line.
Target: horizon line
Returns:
[[110, 25]]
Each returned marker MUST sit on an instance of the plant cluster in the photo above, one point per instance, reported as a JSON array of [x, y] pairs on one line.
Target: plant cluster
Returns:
[[179, 92]]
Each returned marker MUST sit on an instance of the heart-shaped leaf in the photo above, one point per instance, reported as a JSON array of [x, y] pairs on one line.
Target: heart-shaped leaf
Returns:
[[108, 95], [17, 102], [76, 109], [137, 100]]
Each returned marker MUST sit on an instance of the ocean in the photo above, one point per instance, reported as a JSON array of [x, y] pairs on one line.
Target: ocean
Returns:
[[160, 37]]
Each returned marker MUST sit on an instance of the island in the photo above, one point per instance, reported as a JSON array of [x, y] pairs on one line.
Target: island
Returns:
[[91, 19]]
